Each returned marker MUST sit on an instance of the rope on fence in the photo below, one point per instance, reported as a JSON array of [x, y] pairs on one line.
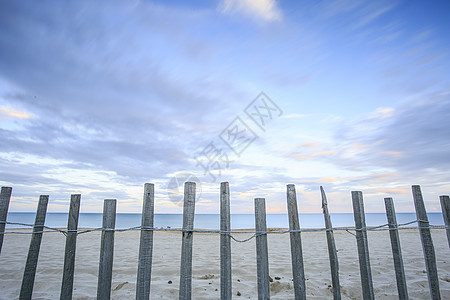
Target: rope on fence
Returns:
[[229, 233]]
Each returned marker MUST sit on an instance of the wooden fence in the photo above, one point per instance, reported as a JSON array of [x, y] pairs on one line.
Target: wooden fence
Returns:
[[185, 288]]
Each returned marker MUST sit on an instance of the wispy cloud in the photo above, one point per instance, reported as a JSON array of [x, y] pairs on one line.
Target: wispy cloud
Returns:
[[393, 191], [413, 136], [9, 112], [266, 10], [382, 113]]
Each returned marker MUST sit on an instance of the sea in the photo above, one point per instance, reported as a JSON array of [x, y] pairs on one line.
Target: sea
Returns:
[[212, 221]]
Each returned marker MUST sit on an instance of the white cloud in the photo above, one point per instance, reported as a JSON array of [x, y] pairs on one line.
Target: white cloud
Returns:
[[13, 113], [294, 116], [382, 113], [266, 10]]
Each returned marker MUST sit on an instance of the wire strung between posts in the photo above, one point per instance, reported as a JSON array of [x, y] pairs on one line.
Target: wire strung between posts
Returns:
[[383, 227], [350, 232], [50, 229]]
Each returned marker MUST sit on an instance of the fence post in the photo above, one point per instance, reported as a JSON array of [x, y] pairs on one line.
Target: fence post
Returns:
[[445, 205], [144, 274], [187, 241], [29, 273], [427, 243], [71, 244], [363, 245], [332, 253], [225, 243], [106, 250], [5, 196], [298, 271], [396, 249], [262, 255]]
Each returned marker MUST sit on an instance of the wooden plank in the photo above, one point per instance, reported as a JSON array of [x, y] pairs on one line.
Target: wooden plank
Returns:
[[262, 254], [363, 245], [396, 249], [298, 271], [144, 273], [5, 197], [187, 241], [29, 273], [225, 243], [332, 253], [71, 244], [445, 205], [427, 243], [106, 250]]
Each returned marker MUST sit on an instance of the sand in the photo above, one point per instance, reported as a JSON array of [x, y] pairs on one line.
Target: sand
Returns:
[[206, 272]]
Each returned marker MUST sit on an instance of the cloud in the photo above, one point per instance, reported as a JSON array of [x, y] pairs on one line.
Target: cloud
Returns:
[[131, 103], [393, 191], [118, 94], [266, 10], [93, 95], [383, 152], [293, 116], [413, 138], [94, 88], [310, 144], [13, 113], [371, 13], [382, 113], [357, 13], [323, 153]]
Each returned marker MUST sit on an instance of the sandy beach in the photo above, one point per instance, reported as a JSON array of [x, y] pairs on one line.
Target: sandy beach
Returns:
[[206, 272]]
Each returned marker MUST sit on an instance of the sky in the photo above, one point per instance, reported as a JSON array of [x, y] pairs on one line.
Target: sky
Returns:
[[99, 98]]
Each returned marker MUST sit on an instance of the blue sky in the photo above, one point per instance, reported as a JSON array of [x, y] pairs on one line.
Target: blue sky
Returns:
[[99, 98]]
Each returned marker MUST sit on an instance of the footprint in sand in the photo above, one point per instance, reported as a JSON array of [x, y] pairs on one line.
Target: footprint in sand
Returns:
[[278, 286]]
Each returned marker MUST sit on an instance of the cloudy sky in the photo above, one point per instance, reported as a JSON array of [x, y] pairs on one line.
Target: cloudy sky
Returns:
[[99, 98]]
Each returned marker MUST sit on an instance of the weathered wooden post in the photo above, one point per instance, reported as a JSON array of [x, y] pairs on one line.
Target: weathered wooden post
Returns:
[[187, 241], [396, 249], [29, 273], [144, 273], [5, 197], [106, 250], [363, 245], [71, 245], [332, 253], [298, 271], [427, 243], [262, 254], [225, 243], [445, 205]]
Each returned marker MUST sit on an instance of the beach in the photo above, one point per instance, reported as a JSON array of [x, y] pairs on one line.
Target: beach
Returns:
[[206, 265]]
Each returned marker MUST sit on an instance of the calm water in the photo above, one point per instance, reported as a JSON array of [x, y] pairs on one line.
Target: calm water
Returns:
[[210, 221]]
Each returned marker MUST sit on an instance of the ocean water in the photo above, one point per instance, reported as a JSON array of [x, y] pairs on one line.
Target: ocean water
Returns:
[[212, 221]]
